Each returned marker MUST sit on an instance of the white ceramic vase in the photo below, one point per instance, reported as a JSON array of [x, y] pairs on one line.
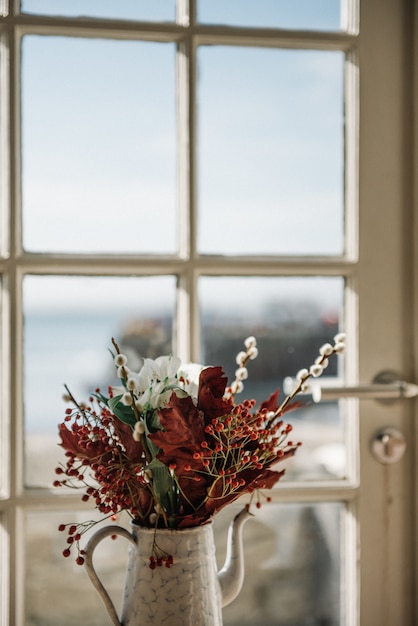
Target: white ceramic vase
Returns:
[[187, 593]]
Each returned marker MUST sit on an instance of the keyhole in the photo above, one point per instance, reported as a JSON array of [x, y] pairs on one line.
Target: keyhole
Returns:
[[388, 445]]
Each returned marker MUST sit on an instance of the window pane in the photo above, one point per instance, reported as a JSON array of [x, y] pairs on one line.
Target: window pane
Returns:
[[57, 590], [303, 14], [271, 151], [293, 574], [69, 324], [99, 145], [153, 10], [291, 319]]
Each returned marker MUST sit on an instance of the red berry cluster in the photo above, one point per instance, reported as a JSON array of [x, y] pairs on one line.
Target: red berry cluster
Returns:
[[159, 557], [158, 561], [73, 539], [238, 446], [98, 462]]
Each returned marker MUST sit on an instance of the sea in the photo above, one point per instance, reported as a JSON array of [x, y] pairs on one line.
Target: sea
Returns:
[[64, 349], [73, 349]]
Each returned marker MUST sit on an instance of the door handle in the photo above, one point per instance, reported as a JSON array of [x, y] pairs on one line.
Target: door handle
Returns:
[[387, 385]]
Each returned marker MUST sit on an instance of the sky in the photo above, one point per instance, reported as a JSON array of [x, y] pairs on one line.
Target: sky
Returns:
[[99, 139], [99, 144], [300, 14]]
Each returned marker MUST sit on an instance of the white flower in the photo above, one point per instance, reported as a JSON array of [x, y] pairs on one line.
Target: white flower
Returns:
[[140, 403], [250, 342], [155, 381], [252, 352], [324, 362], [127, 399], [145, 376], [121, 371], [339, 347], [302, 374], [237, 386], [139, 427], [132, 382], [340, 338], [241, 357], [136, 436], [120, 360], [166, 367], [159, 395], [326, 349], [316, 370], [188, 377], [241, 373]]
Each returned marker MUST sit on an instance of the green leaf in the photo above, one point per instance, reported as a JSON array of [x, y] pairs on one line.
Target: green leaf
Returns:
[[164, 487], [150, 417], [152, 420], [122, 412], [101, 398]]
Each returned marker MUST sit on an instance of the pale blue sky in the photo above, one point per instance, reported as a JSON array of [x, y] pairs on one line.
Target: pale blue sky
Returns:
[[298, 14], [99, 139], [100, 148]]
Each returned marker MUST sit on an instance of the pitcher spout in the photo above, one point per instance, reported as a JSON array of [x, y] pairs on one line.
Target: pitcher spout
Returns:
[[231, 576]]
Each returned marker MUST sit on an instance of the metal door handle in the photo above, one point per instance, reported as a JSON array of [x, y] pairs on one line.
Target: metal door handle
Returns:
[[387, 385]]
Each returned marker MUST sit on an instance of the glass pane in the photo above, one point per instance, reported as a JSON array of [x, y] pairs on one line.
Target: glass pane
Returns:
[[291, 319], [68, 326], [293, 574], [99, 145], [146, 10], [293, 577], [58, 590], [271, 151], [303, 14]]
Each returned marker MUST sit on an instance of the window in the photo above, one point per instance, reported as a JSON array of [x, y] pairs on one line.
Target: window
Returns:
[[180, 176]]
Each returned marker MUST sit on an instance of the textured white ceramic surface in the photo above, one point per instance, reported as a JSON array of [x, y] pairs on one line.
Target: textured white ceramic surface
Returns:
[[186, 594], [190, 592]]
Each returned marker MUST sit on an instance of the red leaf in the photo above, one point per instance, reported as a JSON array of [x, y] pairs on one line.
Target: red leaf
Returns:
[[212, 384], [255, 479], [272, 403], [70, 442], [133, 448], [182, 435]]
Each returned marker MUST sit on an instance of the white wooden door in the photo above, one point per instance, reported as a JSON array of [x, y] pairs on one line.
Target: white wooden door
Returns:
[[336, 546], [385, 283]]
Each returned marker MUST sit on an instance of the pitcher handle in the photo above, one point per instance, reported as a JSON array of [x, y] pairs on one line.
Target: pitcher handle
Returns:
[[91, 545]]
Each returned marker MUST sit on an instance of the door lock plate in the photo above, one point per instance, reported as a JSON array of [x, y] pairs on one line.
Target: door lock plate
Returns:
[[388, 445]]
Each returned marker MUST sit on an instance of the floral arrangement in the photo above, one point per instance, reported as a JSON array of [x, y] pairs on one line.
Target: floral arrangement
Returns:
[[171, 446]]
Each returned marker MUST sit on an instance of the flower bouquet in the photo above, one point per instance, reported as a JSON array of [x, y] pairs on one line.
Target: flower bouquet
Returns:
[[171, 446]]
